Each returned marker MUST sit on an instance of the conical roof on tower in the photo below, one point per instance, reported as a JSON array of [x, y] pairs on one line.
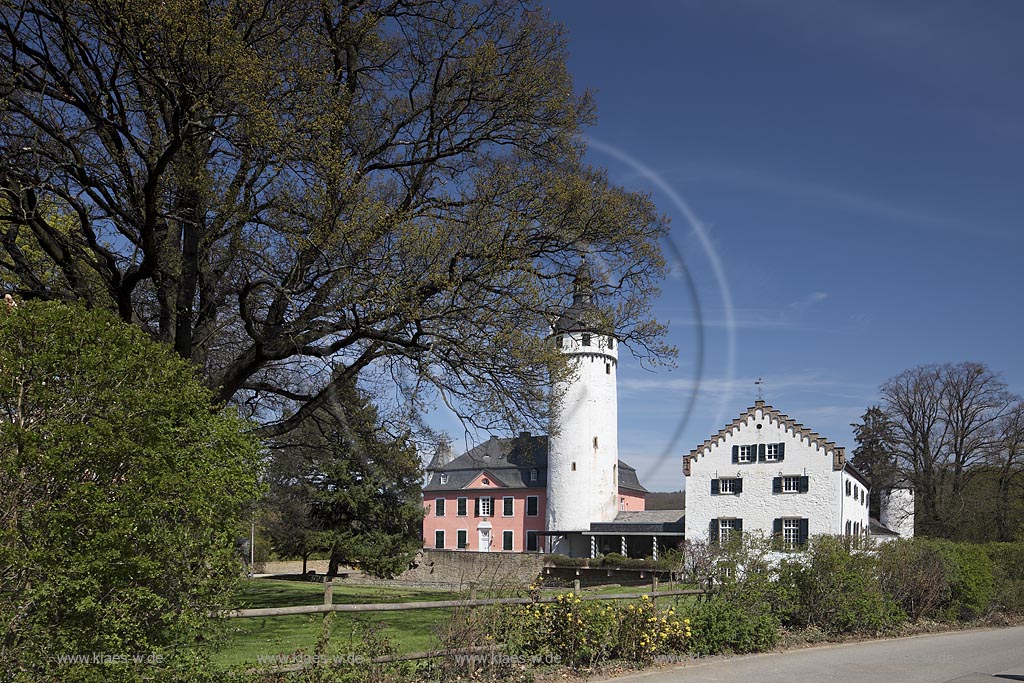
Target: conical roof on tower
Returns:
[[583, 315]]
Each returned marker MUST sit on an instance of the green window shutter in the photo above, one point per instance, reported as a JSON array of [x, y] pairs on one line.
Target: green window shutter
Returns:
[[476, 507], [739, 486], [761, 453], [713, 531], [735, 454], [804, 484], [739, 526], [782, 451], [715, 487], [804, 525], [777, 526], [777, 488]]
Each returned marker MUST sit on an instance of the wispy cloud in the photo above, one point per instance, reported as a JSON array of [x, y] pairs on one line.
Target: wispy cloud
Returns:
[[819, 193]]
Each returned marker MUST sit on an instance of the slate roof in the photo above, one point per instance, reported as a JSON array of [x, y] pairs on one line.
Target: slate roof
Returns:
[[583, 315], [857, 474], [642, 522], [875, 528], [509, 461]]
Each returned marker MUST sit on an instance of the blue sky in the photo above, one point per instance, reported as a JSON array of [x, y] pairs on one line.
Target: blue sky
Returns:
[[856, 170]]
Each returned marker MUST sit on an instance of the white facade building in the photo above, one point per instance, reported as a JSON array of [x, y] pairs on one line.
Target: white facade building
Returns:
[[766, 472]]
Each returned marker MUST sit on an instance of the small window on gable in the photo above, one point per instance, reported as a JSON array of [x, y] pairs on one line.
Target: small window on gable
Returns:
[[746, 454], [586, 339], [771, 451]]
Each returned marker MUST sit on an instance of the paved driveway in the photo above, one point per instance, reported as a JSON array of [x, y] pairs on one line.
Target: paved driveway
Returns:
[[989, 655]]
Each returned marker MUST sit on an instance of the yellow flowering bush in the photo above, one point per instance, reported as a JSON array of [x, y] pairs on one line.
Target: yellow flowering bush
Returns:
[[578, 633], [645, 631]]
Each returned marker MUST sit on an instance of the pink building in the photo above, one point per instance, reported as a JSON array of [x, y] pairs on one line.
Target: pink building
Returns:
[[492, 498]]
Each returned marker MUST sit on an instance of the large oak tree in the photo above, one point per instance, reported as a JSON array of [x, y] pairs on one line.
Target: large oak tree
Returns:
[[292, 194]]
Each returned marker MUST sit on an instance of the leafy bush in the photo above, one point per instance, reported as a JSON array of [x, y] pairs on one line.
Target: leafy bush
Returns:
[[1008, 575], [128, 491], [971, 579], [724, 625], [913, 573], [838, 590], [559, 560]]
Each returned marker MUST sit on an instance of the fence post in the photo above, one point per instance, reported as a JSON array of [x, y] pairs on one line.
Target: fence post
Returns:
[[328, 592], [472, 590], [576, 586]]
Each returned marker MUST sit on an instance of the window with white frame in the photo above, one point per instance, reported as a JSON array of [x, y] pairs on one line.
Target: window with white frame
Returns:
[[461, 506], [439, 507], [531, 541], [533, 475], [622, 503], [727, 486], [439, 539], [726, 528], [790, 532], [532, 506], [444, 478], [746, 454], [463, 539], [507, 508], [791, 484], [771, 451], [485, 506]]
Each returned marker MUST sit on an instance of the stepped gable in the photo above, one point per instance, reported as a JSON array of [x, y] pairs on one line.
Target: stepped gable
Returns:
[[769, 413]]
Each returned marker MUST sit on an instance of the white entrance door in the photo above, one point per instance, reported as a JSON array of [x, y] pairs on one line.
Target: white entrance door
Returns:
[[485, 540]]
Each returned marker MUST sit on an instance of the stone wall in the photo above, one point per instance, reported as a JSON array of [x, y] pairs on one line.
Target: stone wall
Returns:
[[459, 568]]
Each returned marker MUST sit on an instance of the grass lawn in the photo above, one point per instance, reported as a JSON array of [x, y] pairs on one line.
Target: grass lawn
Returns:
[[409, 631]]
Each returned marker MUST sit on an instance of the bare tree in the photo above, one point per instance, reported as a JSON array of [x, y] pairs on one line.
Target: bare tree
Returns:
[[292, 194], [1008, 461], [946, 422]]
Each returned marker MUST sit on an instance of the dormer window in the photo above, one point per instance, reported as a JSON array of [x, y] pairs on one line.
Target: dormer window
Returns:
[[533, 475], [586, 339], [444, 478]]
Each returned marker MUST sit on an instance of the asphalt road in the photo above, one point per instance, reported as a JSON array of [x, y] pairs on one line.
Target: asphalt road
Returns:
[[989, 655]]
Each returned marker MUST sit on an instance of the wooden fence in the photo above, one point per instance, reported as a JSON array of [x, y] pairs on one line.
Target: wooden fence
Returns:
[[329, 606]]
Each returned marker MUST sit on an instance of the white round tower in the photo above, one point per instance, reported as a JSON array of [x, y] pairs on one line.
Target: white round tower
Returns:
[[583, 444], [897, 510]]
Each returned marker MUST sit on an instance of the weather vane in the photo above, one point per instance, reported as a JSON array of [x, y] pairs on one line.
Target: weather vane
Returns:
[[760, 389]]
